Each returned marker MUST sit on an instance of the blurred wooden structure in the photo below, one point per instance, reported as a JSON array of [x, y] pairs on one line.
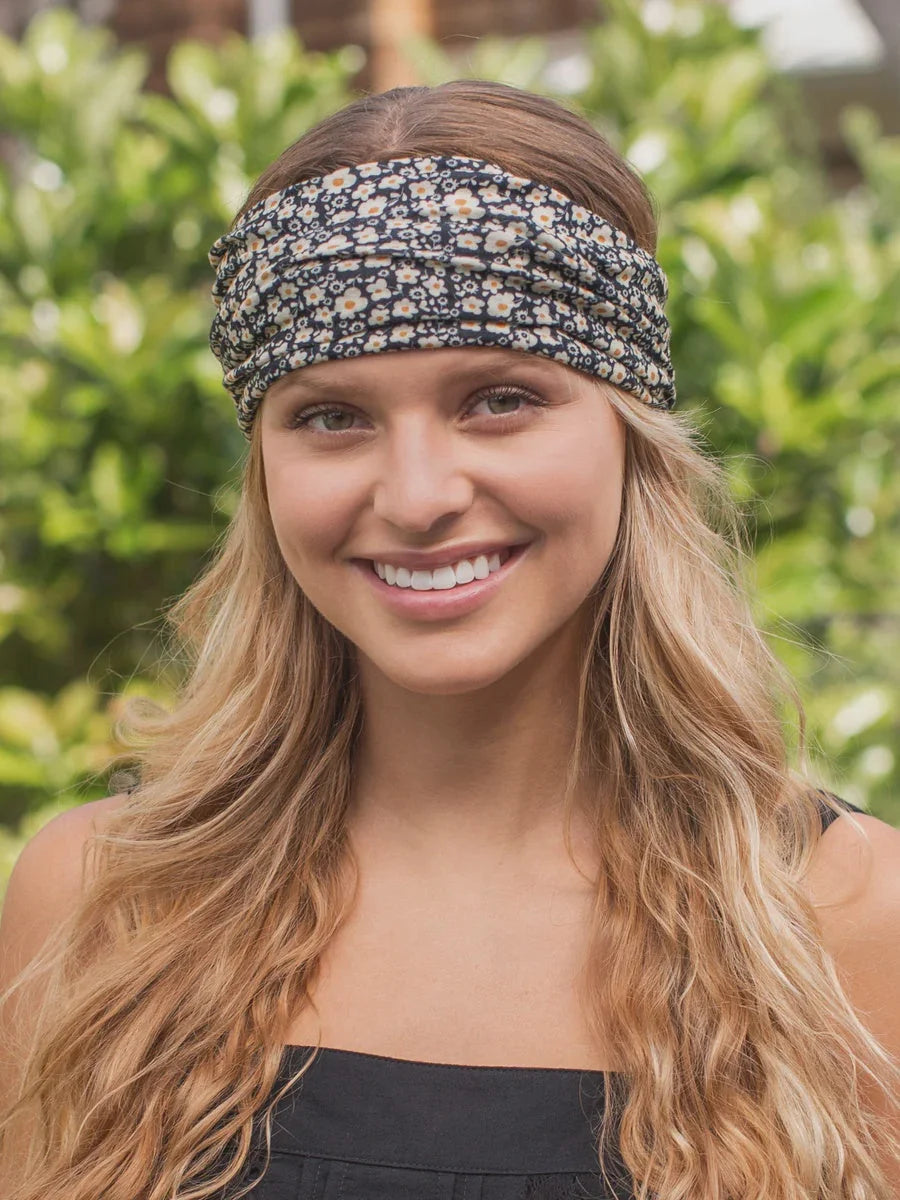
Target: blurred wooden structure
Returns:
[[378, 26]]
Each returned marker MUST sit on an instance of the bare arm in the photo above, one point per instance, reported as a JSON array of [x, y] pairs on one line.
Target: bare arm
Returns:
[[46, 881], [859, 889]]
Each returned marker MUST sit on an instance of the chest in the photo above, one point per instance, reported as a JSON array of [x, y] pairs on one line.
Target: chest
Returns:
[[462, 980]]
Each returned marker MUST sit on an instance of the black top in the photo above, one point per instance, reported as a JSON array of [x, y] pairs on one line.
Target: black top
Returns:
[[367, 1127]]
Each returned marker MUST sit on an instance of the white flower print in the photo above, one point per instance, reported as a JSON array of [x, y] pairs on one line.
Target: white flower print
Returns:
[[549, 242], [373, 207], [265, 276], [542, 315], [402, 333], [250, 300], [367, 236], [498, 240], [468, 241], [404, 308], [461, 203], [375, 341], [408, 274], [284, 317], [431, 340], [472, 304], [502, 304], [461, 263], [337, 241], [378, 289], [436, 286], [378, 316], [338, 181], [618, 373], [314, 294], [287, 290], [616, 348]]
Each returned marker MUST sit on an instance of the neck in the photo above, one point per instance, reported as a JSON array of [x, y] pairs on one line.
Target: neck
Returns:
[[471, 783]]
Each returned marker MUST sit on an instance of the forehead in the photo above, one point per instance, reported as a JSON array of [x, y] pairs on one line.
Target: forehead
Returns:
[[457, 363]]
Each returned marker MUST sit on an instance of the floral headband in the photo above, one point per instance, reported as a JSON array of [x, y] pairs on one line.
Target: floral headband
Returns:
[[433, 251]]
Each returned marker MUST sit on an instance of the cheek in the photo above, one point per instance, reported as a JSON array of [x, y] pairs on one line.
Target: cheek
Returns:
[[572, 493], [311, 515]]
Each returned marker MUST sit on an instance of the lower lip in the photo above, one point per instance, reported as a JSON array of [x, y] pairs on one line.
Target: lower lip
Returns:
[[450, 602]]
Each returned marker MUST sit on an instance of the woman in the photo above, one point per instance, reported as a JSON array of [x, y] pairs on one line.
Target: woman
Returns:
[[478, 785]]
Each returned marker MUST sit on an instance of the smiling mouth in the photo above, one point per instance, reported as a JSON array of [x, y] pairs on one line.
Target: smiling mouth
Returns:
[[445, 578]]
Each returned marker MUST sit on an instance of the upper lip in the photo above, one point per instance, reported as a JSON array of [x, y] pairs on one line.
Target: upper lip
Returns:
[[425, 559]]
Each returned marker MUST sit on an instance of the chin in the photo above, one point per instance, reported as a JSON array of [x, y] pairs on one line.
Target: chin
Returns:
[[433, 677]]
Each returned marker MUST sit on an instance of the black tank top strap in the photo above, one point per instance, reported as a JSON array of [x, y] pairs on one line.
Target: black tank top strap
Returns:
[[827, 814]]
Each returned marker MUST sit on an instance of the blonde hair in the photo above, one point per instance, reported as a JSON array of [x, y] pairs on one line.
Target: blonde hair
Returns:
[[222, 878]]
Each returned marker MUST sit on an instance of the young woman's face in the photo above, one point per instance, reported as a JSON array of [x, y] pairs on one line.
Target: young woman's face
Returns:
[[444, 459]]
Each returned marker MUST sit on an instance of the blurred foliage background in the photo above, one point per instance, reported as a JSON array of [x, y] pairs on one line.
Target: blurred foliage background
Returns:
[[120, 454]]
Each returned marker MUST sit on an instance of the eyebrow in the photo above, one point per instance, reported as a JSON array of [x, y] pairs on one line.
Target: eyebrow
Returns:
[[497, 365]]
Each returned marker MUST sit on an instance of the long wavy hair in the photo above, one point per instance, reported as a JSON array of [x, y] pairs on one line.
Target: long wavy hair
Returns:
[[215, 887]]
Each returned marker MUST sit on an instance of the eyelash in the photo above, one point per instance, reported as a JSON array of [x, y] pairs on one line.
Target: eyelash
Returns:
[[302, 418]]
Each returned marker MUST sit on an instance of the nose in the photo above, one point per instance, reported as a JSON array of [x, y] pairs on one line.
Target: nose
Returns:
[[421, 479]]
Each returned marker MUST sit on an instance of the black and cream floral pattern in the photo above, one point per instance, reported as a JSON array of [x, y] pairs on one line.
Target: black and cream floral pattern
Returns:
[[433, 251]]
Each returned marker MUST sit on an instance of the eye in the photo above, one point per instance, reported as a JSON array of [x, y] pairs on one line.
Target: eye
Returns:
[[509, 393], [304, 418], [337, 420]]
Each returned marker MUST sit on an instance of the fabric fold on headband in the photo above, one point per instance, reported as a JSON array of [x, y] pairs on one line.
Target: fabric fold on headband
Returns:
[[433, 251]]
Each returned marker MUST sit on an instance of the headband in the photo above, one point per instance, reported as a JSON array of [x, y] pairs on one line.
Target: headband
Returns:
[[432, 251]]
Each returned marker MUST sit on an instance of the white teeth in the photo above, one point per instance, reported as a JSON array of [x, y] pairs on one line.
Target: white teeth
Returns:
[[442, 578], [464, 571]]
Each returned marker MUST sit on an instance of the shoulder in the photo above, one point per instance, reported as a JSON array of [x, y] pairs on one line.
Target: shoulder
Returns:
[[49, 874], [854, 883]]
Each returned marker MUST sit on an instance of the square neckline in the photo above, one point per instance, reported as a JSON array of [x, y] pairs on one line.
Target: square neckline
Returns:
[[293, 1050]]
